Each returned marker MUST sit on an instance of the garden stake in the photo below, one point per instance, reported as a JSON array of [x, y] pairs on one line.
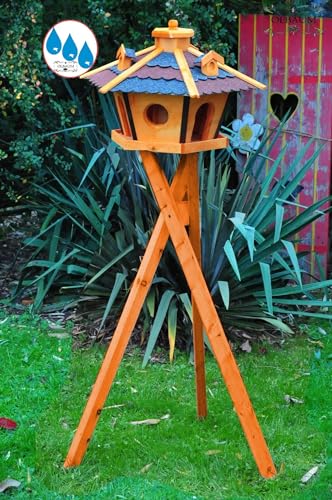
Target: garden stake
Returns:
[[170, 99]]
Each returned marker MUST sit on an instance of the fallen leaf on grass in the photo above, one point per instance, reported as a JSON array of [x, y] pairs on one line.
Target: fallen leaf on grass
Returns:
[[308, 475], [291, 400], [246, 347], [3, 321], [210, 392], [145, 468], [59, 335], [57, 358], [9, 483], [282, 468], [316, 342], [55, 326], [212, 452], [6, 423], [245, 335], [113, 406], [150, 421]]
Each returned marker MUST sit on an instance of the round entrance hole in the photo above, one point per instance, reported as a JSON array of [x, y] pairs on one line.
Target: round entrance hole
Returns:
[[156, 114]]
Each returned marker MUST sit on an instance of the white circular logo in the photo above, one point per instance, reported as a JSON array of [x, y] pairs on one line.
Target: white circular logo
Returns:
[[70, 49]]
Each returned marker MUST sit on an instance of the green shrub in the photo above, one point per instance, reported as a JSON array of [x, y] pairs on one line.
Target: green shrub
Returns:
[[30, 104]]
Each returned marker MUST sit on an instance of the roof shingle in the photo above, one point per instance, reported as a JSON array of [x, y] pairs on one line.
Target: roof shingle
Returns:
[[162, 73]]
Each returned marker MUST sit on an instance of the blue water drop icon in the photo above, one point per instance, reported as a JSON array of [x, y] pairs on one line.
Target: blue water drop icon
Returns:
[[69, 51], [85, 57], [53, 44]]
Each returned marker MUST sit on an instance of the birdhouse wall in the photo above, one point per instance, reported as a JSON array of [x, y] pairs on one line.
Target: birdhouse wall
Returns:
[[123, 114], [292, 56], [156, 117], [204, 117]]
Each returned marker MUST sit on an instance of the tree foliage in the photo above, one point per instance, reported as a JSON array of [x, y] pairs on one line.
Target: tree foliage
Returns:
[[34, 102]]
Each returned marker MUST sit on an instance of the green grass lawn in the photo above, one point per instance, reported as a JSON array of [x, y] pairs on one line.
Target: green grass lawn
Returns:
[[44, 387]]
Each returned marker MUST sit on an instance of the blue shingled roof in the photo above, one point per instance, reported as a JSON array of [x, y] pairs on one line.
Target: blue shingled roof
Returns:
[[196, 73], [164, 60], [173, 66], [150, 86], [162, 75]]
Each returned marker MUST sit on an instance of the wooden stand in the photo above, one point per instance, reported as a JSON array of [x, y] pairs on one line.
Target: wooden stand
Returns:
[[179, 207]]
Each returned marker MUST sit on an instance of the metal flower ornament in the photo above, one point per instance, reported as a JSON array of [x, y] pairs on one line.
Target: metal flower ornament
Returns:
[[246, 134]]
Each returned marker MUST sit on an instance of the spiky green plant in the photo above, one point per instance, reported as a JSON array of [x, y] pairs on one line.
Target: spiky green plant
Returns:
[[97, 221]]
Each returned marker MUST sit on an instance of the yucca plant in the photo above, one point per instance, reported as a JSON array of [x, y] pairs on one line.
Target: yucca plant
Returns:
[[249, 256], [97, 221], [257, 237]]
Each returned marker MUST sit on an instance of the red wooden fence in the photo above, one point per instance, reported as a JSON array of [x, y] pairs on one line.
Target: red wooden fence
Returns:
[[293, 57]]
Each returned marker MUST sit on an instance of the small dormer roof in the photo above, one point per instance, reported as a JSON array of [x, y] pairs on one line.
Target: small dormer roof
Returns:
[[170, 67], [209, 63], [130, 52]]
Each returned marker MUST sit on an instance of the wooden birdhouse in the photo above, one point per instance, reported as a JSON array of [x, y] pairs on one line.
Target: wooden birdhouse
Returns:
[[292, 55], [170, 97]]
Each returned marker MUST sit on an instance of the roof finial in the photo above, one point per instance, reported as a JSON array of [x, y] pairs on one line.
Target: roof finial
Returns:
[[173, 24]]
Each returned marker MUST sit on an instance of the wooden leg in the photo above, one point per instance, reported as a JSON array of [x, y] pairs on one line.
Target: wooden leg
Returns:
[[195, 239], [127, 321], [209, 316], [112, 360]]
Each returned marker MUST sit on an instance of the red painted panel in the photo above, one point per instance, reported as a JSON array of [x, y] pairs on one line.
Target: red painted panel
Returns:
[[277, 72], [308, 109], [246, 53], [294, 57], [262, 56], [324, 130]]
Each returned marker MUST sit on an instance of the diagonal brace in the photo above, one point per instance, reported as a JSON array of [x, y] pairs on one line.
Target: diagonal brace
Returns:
[[126, 324], [209, 316]]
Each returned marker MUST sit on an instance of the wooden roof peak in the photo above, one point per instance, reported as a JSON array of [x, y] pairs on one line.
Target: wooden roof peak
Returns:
[[173, 31]]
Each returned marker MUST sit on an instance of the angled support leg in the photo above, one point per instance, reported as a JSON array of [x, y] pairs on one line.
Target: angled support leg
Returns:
[[209, 316], [117, 347], [127, 321]]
